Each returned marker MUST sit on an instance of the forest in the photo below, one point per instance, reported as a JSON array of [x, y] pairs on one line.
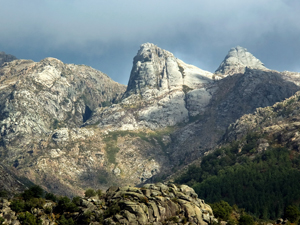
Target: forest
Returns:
[[263, 183]]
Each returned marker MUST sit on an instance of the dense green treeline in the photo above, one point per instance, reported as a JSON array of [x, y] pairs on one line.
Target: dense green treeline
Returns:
[[264, 183]]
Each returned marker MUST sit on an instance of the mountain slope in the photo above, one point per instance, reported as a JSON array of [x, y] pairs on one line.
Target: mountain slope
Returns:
[[256, 166], [69, 127], [38, 98]]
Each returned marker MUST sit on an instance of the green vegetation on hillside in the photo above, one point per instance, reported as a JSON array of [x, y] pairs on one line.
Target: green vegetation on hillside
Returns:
[[263, 183], [154, 138]]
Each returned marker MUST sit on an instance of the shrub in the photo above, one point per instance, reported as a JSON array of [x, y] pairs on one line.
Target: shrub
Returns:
[[50, 196], [246, 219], [64, 221], [33, 192], [292, 213], [27, 219], [17, 206], [89, 193], [221, 210], [34, 203], [76, 200], [112, 210], [99, 193], [48, 210], [65, 205]]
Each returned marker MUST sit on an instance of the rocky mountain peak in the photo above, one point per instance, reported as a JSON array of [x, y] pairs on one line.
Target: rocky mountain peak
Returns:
[[237, 60], [6, 58], [158, 71]]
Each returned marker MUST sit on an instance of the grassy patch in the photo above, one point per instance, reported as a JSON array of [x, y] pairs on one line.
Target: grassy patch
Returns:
[[151, 137]]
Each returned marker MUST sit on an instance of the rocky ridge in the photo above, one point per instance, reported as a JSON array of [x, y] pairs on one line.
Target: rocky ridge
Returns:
[[152, 204], [278, 123]]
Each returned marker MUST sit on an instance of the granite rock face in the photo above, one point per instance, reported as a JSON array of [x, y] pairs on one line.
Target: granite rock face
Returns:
[[152, 204], [237, 60], [158, 204], [39, 98], [162, 91], [156, 71]]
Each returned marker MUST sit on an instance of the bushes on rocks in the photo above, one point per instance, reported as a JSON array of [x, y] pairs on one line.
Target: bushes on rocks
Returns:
[[221, 210], [246, 219], [50, 196], [64, 221], [33, 192], [28, 219], [89, 193], [65, 205], [292, 213]]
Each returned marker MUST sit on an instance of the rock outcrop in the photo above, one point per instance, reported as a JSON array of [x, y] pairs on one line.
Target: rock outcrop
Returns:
[[152, 204], [158, 204], [6, 58], [237, 60]]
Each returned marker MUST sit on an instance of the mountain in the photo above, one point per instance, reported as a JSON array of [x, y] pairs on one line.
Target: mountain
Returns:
[[162, 91], [69, 127], [39, 98]]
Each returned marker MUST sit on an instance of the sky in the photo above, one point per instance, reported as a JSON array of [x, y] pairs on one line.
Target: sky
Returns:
[[106, 35]]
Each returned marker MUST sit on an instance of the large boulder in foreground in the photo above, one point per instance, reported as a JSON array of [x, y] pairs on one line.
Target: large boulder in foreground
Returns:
[[152, 204], [157, 204]]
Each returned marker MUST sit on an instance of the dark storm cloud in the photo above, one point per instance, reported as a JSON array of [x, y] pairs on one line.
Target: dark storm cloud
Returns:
[[106, 34]]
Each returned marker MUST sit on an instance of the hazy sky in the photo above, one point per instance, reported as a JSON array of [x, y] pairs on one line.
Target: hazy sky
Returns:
[[107, 34]]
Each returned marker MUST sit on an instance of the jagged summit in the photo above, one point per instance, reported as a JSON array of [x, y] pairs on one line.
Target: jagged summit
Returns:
[[237, 60], [158, 70]]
